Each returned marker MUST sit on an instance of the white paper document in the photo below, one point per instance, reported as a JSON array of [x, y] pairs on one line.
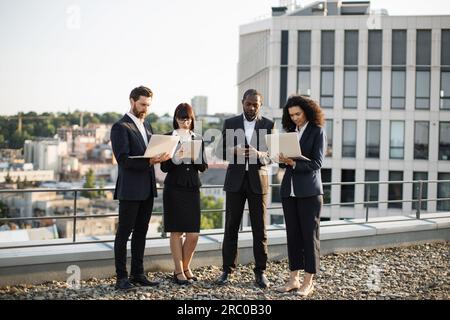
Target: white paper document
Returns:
[[285, 143], [192, 149], [158, 144]]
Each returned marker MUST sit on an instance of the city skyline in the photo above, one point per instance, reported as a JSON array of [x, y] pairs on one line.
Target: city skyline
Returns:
[[68, 55]]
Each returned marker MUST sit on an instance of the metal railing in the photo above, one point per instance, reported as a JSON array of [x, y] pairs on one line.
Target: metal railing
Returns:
[[76, 191]]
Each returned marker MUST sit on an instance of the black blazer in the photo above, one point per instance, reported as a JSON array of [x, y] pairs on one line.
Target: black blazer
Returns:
[[306, 176], [257, 172], [184, 174], [136, 179]]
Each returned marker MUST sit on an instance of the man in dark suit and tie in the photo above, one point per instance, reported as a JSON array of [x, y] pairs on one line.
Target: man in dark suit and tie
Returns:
[[243, 145], [135, 188]]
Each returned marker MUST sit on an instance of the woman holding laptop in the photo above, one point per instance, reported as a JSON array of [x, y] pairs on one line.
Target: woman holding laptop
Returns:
[[181, 197], [301, 191]]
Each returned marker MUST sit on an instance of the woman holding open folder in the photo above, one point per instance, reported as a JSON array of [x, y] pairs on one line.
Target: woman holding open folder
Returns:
[[301, 191], [181, 197]]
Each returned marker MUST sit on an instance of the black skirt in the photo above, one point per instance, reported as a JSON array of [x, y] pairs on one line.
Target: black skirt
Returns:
[[181, 209]]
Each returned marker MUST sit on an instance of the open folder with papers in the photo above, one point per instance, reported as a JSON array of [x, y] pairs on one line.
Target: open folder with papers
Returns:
[[159, 144], [285, 143]]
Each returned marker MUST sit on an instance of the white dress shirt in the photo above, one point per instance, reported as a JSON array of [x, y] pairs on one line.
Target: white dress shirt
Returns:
[[140, 125], [299, 135], [249, 128]]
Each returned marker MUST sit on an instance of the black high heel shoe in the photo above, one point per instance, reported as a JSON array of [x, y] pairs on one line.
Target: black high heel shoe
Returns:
[[180, 281], [193, 278]]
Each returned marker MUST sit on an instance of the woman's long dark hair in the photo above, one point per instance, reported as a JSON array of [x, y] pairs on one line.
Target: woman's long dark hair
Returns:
[[311, 108], [183, 111]]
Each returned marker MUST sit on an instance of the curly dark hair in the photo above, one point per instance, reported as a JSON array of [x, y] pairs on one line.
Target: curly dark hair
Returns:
[[313, 112]]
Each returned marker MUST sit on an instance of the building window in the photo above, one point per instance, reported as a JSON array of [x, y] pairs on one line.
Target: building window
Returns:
[[284, 47], [327, 69], [304, 48], [326, 177], [327, 88], [445, 47], [445, 90], [375, 47], [327, 48], [329, 133], [374, 88], [304, 81], [423, 62], [395, 189], [423, 48], [349, 138], [283, 68], [373, 138], [350, 88], [398, 47], [444, 140], [371, 190], [421, 134], [348, 191], [398, 89], [304, 63], [283, 86], [416, 187], [351, 48], [443, 192], [445, 69], [422, 89], [397, 140]]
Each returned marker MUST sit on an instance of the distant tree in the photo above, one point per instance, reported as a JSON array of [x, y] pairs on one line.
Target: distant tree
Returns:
[[8, 178], [110, 117], [19, 183], [152, 117], [3, 210], [211, 220], [90, 183], [101, 184]]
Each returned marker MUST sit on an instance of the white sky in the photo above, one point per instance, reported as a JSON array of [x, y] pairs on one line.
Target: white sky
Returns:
[[52, 61]]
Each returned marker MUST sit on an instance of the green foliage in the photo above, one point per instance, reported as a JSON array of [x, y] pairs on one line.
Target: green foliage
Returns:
[[90, 183], [45, 125], [3, 210], [101, 184], [8, 178], [213, 219]]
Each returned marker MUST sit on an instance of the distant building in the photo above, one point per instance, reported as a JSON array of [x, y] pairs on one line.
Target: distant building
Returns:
[[200, 105], [45, 153], [81, 141], [28, 175]]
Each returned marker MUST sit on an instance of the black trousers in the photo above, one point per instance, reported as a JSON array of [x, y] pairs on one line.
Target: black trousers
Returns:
[[235, 203], [134, 216], [302, 218]]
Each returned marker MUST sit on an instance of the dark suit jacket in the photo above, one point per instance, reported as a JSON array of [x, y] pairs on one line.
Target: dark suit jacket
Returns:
[[184, 174], [257, 172], [136, 179], [306, 176]]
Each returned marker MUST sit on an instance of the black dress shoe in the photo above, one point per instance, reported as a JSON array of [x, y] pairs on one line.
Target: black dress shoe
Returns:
[[223, 279], [124, 284], [261, 280], [193, 278], [142, 280], [180, 281]]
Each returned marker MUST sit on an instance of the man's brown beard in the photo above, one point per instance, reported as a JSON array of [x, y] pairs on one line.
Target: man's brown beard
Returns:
[[139, 115]]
